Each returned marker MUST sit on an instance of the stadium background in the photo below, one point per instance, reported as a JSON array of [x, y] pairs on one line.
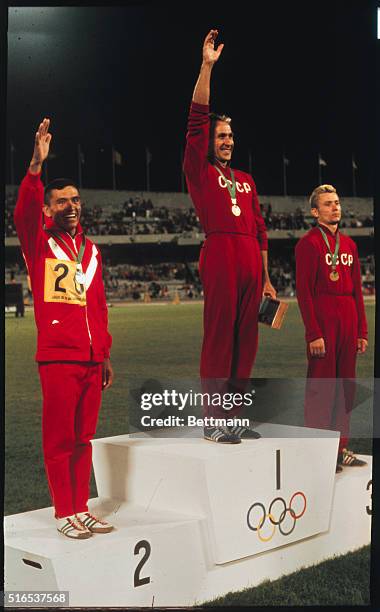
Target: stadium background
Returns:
[[150, 239]]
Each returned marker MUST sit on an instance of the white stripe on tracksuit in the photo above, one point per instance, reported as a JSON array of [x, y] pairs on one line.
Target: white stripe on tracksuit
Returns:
[[92, 266]]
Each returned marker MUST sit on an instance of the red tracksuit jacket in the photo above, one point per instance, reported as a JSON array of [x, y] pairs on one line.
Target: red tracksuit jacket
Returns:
[[208, 190], [71, 319], [313, 268]]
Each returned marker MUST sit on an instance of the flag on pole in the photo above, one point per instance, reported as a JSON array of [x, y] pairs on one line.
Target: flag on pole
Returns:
[[321, 161], [117, 158], [148, 159], [80, 155], [354, 169], [285, 164]]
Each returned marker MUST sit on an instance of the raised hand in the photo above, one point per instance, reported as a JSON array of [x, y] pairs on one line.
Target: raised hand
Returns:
[[210, 54], [41, 146]]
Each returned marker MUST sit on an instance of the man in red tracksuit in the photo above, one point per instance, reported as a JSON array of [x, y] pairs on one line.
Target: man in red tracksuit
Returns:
[[234, 255], [73, 341], [330, 299]]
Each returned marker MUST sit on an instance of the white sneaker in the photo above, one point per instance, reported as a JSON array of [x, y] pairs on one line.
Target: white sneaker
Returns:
[[72, 528], [93, 523]]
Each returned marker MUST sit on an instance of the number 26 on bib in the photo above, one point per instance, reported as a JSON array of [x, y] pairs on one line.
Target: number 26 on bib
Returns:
[[61, 283]]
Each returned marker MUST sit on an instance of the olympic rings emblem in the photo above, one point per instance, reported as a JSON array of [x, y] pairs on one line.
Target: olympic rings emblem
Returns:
[[271, 516]]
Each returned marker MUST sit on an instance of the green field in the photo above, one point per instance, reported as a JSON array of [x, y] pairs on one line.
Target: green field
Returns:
[[155, 341], [151, 341], [341, 581]]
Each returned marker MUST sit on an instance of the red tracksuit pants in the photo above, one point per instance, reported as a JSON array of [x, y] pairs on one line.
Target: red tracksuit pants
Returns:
[[230, 268], [330, 388], [71, 401]]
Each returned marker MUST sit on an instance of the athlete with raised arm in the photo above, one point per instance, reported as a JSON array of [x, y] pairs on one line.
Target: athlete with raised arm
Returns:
[[73, 343], [234, 259]]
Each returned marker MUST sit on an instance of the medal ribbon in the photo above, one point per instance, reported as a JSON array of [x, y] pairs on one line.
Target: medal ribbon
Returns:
[[78, 258], [231, 188], [334, 256]]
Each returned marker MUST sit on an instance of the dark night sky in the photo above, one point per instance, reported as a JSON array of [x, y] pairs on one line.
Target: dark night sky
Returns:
[[293, 78]]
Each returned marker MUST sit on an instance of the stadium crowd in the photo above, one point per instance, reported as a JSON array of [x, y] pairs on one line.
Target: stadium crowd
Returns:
[[138, 216], [298, 220], [126, 281], [160, 281]]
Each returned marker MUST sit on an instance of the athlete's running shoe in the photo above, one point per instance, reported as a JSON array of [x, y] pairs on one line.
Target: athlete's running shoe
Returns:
[[246, 433], [72, 528], [93, 523], [347, 458], [220, 434]]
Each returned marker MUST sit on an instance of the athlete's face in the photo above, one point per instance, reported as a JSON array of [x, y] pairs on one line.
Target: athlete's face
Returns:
[[223, 142], [328, 211], [64, 208]]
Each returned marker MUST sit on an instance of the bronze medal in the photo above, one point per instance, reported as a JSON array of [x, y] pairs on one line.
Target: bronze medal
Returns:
[[334, 275]]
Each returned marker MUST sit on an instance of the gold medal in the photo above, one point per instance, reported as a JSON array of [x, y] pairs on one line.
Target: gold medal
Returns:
[[334, 275], [235, 209]]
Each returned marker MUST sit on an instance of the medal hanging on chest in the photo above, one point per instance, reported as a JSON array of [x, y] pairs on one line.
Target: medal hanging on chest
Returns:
[[79, 275], [235, 209], [334, 274]]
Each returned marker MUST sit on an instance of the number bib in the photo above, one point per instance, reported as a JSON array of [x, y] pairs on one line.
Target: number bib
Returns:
[[61, 283]]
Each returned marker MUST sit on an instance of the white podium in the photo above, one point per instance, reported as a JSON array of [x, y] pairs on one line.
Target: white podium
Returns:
[[195, 520], [139, 563]]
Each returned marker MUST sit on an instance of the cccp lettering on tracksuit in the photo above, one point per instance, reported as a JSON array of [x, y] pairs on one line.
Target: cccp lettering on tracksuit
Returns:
[[230, 264], [334, 311], [72, 343]]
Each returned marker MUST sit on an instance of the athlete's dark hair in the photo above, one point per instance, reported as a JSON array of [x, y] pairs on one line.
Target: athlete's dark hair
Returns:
[[59, 183], [214, 118]]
